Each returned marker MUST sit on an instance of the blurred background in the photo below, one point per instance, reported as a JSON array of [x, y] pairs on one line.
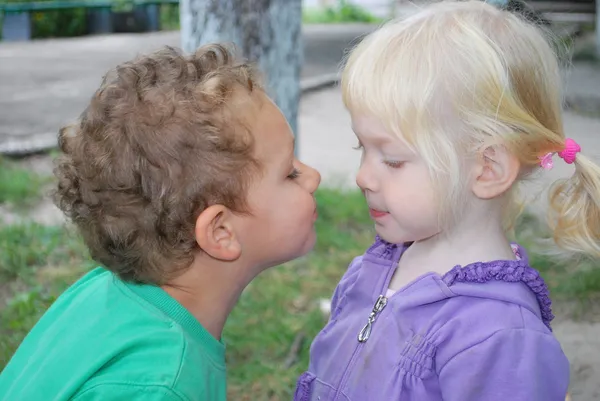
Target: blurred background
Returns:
[[53, 55]]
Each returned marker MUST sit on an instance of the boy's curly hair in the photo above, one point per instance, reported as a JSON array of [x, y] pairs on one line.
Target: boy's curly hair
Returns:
[[160, 142]]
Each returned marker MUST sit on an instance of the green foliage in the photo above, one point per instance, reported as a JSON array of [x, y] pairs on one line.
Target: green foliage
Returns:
[[55, 23], [58, 23], [74, 22], [169, 17], [342, 12]]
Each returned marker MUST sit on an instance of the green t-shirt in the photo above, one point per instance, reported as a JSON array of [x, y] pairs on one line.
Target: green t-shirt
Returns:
[[105, 339]]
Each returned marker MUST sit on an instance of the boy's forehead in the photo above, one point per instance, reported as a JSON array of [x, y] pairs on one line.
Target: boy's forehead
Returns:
[[261, 118], [246, 105], [271, 131]]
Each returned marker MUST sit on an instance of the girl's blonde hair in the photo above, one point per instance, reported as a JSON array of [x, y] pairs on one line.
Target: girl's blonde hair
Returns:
[[459, 77]]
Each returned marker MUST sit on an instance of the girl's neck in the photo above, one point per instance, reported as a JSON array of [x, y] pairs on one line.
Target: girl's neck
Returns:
[[475, 239]]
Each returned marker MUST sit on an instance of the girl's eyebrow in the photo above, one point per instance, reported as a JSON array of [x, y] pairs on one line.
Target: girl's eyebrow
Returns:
[[387, 142], [376, 139], [381, 141]]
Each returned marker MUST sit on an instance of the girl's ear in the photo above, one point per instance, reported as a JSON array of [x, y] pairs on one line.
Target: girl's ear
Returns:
[[496, 170], [216, 235]]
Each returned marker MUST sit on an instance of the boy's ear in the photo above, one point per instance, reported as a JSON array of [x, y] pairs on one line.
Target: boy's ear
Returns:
[[495, 172], [215, 233]]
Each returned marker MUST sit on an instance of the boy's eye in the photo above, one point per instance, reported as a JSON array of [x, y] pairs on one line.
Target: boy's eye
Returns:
[[393, 164], [294, 174]]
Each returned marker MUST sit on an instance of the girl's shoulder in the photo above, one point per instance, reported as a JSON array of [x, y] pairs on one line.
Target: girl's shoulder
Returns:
[[380, 251]]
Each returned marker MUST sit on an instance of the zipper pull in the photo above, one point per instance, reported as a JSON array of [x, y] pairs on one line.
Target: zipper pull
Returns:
[[365, 333]]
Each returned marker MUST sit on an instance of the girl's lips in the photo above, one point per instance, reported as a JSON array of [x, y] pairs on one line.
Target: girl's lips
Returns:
[[377, 214]]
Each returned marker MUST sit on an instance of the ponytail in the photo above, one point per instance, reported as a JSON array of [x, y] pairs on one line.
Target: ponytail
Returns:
[[574, 212]]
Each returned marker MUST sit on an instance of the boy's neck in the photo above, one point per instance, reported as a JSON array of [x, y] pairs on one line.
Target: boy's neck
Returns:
[[209, 290], [479, 237]]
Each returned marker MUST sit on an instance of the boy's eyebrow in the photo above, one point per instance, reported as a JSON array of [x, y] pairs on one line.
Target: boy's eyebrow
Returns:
[[289, 156]]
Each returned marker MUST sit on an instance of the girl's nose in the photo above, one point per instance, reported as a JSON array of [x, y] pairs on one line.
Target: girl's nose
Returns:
[[364, 179]]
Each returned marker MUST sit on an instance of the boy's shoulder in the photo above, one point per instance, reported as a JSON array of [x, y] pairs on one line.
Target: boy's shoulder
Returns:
[[161, 351], [168, 366], [104, 338]]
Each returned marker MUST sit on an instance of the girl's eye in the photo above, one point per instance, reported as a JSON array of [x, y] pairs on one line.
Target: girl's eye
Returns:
[[393, 164], [294, 174], [359, 146]]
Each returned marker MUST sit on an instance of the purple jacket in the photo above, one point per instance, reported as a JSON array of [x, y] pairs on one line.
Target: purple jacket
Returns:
[[478, 333]]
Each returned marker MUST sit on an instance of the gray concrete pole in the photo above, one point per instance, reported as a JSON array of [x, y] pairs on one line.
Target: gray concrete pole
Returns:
[[268, 32], [598, 28]]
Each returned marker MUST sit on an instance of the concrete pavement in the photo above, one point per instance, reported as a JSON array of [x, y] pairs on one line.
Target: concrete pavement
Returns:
[[45, 84]]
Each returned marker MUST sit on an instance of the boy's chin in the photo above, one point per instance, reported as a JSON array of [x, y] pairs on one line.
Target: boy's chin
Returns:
[[302, 249], [306, 246]]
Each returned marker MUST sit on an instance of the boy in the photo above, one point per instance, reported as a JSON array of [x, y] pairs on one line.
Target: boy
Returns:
[[181, 178]]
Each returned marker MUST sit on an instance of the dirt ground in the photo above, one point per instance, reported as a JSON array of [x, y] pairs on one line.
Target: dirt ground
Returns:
[[581, 343]]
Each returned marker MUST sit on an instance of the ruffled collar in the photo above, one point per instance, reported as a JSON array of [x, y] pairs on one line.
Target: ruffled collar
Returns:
[[512, 271]]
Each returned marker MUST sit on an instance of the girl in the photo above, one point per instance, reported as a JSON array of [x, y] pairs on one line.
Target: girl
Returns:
[[452, 108]]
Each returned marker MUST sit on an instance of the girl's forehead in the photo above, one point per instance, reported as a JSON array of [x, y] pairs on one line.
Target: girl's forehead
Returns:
[[371, 129], [364, 124]]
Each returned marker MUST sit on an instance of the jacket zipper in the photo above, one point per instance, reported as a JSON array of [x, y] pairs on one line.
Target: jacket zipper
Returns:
[[377, 308], [363, 336], [365, 333]]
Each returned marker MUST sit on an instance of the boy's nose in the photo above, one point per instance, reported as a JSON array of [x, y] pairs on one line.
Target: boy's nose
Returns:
[[313, 179]]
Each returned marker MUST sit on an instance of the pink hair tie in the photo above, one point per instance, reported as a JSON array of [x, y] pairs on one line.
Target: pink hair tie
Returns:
[[568, 154], [570, 151]]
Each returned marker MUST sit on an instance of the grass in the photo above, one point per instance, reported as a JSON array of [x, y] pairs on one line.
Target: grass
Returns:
[[278, 310], [19, 187], [573, 282], [269, 333], [37, 264]]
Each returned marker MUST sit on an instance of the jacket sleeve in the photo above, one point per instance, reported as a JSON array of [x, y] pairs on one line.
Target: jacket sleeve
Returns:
[[516, 365]]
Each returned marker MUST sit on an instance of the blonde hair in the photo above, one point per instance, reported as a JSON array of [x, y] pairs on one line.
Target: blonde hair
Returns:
[[458, 77]]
